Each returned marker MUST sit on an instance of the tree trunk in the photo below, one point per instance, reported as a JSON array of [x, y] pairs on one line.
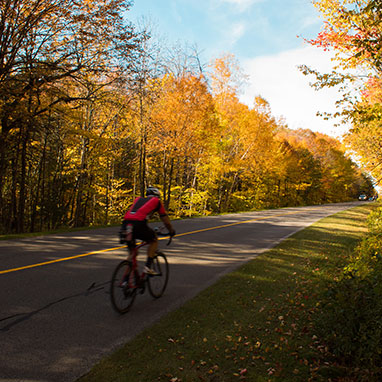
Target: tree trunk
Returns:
[[164, 185], [167, 200], [22, 191], [142, 167], [78, 200]]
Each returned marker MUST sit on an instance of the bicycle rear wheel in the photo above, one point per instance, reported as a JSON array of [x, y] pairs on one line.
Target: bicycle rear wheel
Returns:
[[157, 283], [123, 288]]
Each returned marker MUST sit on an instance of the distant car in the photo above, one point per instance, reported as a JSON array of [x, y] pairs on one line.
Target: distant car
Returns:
[[362, 197]]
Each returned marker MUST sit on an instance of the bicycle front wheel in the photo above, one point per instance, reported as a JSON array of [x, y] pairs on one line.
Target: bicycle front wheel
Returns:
[[123, 288], [157, 283]]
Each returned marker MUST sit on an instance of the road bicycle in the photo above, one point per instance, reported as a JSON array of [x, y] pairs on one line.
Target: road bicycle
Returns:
[[128, 280]]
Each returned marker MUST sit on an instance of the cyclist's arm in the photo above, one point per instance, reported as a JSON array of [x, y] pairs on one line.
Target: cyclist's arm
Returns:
[[164, 217], [166, 221]]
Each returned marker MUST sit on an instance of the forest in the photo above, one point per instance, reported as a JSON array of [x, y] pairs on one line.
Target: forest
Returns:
[[93, 110]]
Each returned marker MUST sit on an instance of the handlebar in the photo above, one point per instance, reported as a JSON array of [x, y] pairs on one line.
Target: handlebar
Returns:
[[159, 233]]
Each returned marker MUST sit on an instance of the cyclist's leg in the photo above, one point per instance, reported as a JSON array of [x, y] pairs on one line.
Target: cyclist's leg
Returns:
[[131, 248], [152, 248], [151, 253], [144, 232], [130, 251]]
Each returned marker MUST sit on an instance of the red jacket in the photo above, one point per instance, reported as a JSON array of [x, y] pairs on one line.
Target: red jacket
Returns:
[[143, 208]]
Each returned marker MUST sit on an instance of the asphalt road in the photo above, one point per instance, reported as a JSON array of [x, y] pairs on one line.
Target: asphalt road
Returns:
[[56, 319]]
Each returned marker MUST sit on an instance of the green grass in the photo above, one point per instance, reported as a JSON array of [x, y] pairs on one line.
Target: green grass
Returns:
[[255, 324]]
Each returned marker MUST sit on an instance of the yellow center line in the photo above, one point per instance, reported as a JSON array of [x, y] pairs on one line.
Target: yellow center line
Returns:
[[59, 260], [115, 248], [237, 223]]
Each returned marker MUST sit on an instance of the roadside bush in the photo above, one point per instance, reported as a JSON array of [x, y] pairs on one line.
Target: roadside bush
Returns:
[[350, 318], [374, 221]]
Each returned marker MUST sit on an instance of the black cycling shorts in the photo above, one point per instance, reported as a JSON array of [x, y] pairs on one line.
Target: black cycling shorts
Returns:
[[142, 231]]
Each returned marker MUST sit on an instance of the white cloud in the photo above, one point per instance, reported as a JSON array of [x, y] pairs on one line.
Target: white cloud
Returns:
[[242, 4], [233, 34], [277, 79], [238, 30], [310, 20]]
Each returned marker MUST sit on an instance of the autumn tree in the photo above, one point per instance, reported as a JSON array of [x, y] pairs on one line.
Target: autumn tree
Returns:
[[47, 50], [318, 169], [247, 143], [183, 125], [353, 30], [92, 110], [147, 66]]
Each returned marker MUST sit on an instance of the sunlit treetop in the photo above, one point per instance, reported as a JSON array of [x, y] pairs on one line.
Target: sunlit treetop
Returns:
[[353, 29]]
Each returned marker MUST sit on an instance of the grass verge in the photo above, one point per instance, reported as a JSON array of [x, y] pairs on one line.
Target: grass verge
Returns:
[[254, 324]]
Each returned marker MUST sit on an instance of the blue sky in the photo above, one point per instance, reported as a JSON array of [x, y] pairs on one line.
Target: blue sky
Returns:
[[262, 34]]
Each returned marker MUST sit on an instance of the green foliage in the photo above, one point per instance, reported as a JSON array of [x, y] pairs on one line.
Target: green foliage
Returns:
[[243, 202], [350, 321], [187, 203], [375, 221]]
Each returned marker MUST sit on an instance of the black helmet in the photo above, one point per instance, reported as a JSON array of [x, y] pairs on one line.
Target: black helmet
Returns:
[[152, 191]]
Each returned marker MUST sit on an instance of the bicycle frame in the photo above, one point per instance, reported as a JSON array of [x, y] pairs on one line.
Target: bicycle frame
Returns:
[[134, 270], [127, 280], [134, 253]]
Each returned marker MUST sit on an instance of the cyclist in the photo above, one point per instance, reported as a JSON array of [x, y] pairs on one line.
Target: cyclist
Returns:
[[134, 225]]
